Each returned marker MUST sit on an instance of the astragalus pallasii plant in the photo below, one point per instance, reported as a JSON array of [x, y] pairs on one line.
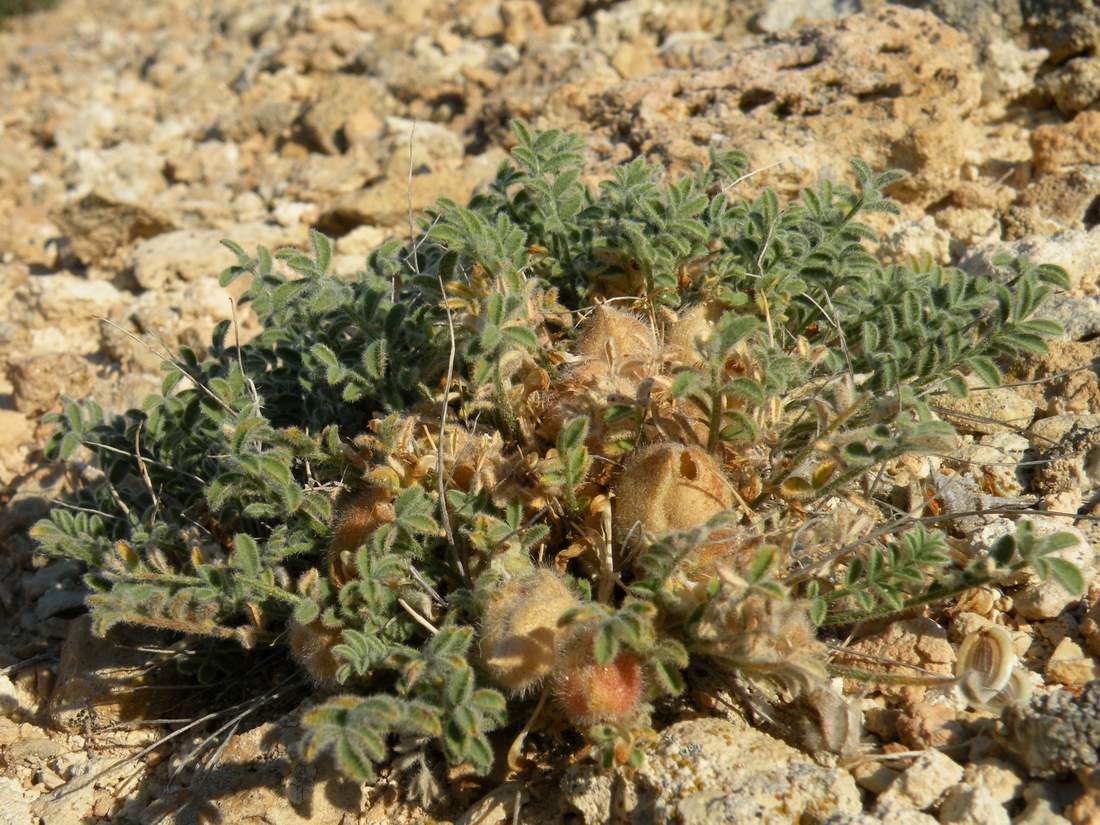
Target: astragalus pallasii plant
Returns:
[[538, 465]]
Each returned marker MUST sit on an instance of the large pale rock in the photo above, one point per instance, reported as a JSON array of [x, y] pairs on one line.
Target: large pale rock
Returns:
[[96, 677], [39, 381], [387, 203], [340, 99], [813, 99], [783, 14], [924, 782], [967, 804], [892, 813], [14, 803], [712, 771], [260, 779], [920, 642], [1058, 145], [1075, 250], [1038, 599], [988, 410], [97, 226], [191, 254]]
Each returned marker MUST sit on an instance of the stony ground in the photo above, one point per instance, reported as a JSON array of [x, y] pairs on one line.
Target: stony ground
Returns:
[[136, 135]]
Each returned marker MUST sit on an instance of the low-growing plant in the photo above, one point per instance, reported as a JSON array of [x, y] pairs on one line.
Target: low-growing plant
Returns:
[[546, 454]]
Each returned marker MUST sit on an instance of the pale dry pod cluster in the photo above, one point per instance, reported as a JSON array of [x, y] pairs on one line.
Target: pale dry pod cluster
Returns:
[[613, 354], [694, 326]]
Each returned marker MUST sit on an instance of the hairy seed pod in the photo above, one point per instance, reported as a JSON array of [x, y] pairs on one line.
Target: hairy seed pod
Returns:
[[618, 340], [695, 324], [311, 645], [591, 693], [357, 517], [519, 631], [668, 487]]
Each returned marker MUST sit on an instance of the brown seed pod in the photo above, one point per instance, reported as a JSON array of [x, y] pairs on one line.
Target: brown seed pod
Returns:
[[357, 517], [668, 487], [591, 693], [696, 323], [311, 645], [519, 631], [619, 341]]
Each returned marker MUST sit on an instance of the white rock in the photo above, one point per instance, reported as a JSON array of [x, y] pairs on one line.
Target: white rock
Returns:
[[782, 14], [916, 239], [15, 703], [190, 254], [972, 805], [923, 782], [1003, 780], [1077, 250], [710, 770], [66, 297], [1010, 69], [892, 812], [14, 805]]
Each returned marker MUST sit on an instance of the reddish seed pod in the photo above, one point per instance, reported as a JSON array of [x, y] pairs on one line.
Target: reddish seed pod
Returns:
[[591, 693], [311, 645], [356, 518]]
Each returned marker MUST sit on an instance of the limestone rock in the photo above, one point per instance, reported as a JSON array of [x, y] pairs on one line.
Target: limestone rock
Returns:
[[712, 771], [1058, 145], [1002, 780], [340, 100], [906, 103], [988, 410], [919, 641], [967, 804], [1045, 600], [190, 254], [924, 782], [892, 812], [97, 227], [93, 676], [1076, 250], [783, 14], [38, 382], [14, 803], [735, 775]]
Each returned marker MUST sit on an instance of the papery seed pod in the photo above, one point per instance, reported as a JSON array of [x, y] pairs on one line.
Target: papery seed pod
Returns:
[[985, 664], [519, 630], [668, 487], [695, 325], [311, 646], [591, 693], [356, 518]]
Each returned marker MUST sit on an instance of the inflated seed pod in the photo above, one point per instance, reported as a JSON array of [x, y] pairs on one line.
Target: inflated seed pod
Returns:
[[695, 325], [668, 487], [311, 646], [591, 693], [519, 629], [615, 338]]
